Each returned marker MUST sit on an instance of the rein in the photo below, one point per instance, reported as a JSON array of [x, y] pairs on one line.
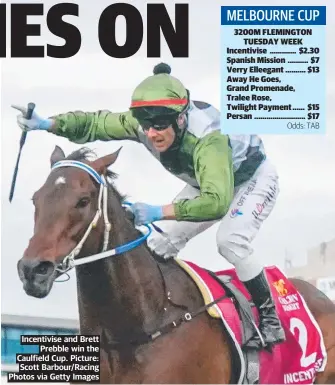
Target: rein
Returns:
[[69, 262]]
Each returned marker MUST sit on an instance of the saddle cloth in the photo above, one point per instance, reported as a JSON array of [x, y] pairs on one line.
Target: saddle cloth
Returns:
[[295, 361]]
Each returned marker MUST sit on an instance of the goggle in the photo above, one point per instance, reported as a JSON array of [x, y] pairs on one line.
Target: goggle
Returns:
[[158, 121], [157, 124]]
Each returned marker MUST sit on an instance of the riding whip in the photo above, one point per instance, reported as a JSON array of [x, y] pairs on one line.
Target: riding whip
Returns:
[[29, 113]]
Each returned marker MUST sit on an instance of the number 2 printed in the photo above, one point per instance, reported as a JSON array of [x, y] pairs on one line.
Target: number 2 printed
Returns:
[[296, 323]]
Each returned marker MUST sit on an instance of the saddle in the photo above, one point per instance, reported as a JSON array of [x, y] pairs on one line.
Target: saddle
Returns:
[[249, 359], [239, 316]]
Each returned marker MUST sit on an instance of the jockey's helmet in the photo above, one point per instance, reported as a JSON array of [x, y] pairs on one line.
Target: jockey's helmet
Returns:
[[160, 99]]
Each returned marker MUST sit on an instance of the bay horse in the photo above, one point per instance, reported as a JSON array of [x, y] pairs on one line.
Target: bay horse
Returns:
[[139, 304]]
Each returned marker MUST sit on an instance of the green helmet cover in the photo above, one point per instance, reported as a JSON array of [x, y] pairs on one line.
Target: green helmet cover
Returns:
[[160, 90]]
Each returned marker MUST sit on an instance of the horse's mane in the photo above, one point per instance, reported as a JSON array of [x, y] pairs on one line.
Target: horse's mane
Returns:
[[85, 154]]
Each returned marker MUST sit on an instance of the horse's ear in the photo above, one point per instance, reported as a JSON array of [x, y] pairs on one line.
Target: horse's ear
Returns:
[[57, 155], [101, 164]]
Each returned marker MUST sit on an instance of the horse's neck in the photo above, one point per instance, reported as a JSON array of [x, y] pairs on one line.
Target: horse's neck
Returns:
[[124, 293]]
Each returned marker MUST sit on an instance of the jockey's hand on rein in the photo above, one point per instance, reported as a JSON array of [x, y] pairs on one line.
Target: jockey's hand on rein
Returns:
[[145, 214], [35, 123]]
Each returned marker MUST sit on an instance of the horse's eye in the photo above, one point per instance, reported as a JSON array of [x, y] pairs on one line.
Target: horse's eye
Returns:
[[83, 202]]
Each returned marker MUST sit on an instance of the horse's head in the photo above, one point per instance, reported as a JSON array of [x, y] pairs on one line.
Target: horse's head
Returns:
[[64, 209]]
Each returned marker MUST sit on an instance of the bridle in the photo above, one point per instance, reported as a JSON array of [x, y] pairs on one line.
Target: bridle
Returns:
[[70, 261]]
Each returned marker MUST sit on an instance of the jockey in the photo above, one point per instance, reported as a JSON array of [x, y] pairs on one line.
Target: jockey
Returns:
[[229, 179]]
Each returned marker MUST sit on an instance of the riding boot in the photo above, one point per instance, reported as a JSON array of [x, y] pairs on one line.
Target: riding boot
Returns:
[[270, 326]]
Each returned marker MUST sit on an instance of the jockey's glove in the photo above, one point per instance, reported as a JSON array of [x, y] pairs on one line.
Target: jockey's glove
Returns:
[[145, 214], [35, 123]]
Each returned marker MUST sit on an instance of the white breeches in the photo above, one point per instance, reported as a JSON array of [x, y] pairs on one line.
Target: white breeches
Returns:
[[252, 203]]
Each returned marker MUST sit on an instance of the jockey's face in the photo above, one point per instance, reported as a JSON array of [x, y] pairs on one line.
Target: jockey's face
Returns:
[[161, 139]]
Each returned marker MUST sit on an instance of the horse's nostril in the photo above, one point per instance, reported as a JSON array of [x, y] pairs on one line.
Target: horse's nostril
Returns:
[[43, 268]]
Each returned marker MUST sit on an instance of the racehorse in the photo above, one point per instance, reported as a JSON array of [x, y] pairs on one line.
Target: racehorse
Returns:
[[148, 312]]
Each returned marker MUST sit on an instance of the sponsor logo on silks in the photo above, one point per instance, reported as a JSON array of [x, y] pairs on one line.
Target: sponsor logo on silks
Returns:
[[246, 192], [235, 212], [288, 301], [280, 287], [268, 198]]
